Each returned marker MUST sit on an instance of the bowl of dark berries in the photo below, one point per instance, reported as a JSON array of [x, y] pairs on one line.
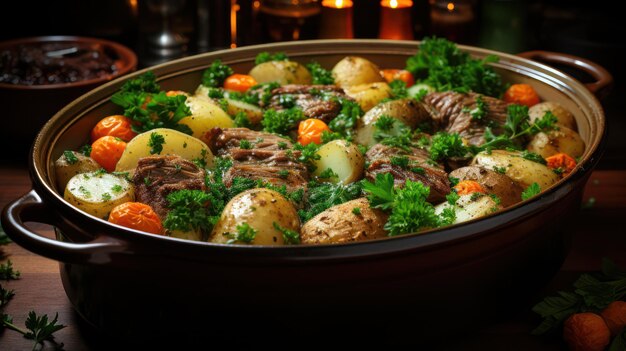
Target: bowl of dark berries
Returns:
[[40, 75]]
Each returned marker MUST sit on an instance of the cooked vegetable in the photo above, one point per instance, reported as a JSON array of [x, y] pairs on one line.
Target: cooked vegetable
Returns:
[[465, 187], [508, 191], [239, 82], [340, 224], [517, 168], [205, 116], [343, 158], [175, 143], [66, 167], [319, 74], [353, 70], [368, 95], [562, 140], [445, 146], [253, 113], [531, 191], [117, 126], [97, 193], [281, 122], [391, 74], [310, 131], [259, 208], [521, 94], [321, 196], [136, 215], [107, 151], [561, 163], [469, 206], [215, 75], [563, 116], [586, 332], [615, 317], [267, 57], [347, 118], [283, 72]]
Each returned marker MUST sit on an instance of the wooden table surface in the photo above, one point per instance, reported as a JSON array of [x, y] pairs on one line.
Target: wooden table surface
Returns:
[[600, 233]]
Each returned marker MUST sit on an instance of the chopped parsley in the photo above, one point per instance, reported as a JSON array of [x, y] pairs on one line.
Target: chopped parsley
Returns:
[[452, 198], [70, 157], [319, 74], [308, 154], [345, 122], [531, 191], [283, 173], [267, 57], [7, 272], [282, 145], [480, 111], [156, 143], [281, 122], [356, 211], [215, 75], [321, 196], [189, 210], [86, 193], [85, 150], [328, 173], [116, 188], [245, 144], [444, 146], [400, 161], [531, 156], [290, 237], [287, 100], [398, 89], [501, 170], [391, 132], [245, 234]]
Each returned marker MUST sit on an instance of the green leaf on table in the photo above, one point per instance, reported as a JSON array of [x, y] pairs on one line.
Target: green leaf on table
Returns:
[[39, 329], [7, 272]]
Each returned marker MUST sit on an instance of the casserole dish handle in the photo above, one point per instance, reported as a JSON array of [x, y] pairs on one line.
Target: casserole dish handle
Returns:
[[603, 79], [30, 208]]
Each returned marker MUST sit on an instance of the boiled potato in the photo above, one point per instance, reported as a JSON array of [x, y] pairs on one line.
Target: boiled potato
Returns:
[[353, 70], [562, 140], [344, 158], [564, 117], [369, 95], [205, 116], [195, 235], [98, 192], [493, 182], [260, 208], [521, 170], [65, 169], [470, 206], [176, 143], [254, 113], [339, 224], [408, 111], [417, 88], [282, 72], [202, 93]]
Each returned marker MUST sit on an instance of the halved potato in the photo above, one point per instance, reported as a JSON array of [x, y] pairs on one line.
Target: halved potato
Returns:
[[340, 224], [516, 167], [470, 206], [195, 235], [353, 70], [260, 208], [176, 143], [283, 72], [254, 113], [368, 95], [205, 116], [562, 140], [408, 111], [343, 158], [564, 117], [493, 182], [98, 192], [65, 169]]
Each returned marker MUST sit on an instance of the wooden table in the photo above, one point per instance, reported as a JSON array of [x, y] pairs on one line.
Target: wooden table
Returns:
[[600, 233]]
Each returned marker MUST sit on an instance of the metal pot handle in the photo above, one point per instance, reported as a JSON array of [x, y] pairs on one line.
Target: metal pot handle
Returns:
[[30, 208], [603, 79]]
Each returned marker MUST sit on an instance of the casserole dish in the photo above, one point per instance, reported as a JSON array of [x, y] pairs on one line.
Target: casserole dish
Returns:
[[128, 283]]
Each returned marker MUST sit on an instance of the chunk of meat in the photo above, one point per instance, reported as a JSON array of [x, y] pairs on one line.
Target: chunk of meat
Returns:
[[420, 169], [269, 157], [451, 112], [309, 99], [157, 176]]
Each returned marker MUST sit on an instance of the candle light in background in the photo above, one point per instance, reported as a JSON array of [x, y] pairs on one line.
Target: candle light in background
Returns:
[[395, 20], [336, 19], [452, 19], [234, 7]]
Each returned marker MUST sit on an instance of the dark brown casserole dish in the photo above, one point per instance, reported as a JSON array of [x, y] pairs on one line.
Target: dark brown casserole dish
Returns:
[[117, 279]]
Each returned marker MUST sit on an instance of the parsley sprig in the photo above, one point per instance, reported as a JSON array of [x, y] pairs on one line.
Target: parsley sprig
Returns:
[[319, 74], [215, 75]]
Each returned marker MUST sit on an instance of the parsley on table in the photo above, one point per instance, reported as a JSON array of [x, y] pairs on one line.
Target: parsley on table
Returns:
[[447, 145], [319, 74], [442, 65], [5, 296], [245, 234], [282, 122], [321, 196], [531, 191], [215, 75], [7, 272], [290, 237], [267, 57], [70, 157], [156, 143]]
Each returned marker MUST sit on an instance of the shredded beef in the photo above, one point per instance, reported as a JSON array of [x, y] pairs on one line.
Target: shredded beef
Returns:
[[157, 176]]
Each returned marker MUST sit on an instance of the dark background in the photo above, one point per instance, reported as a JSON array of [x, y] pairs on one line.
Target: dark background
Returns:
[[590, 29]]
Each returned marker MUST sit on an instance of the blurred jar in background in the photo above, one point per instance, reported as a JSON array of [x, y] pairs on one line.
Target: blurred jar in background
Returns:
[[285, 20], [454, 20]]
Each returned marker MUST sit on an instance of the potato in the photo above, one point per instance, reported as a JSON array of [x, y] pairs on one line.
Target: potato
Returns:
[[282, 72], [254, 113], [562, 140], [260, 208], [344, 158], [205, 115], [339, 224], [408, 111], [202, 93], [521, 170], [564, 117], [415, 89], [369, 95], [470, 206], [493, 182], [195, 235], [354, 70], [64, 170], [176, 143], [98, 192]]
